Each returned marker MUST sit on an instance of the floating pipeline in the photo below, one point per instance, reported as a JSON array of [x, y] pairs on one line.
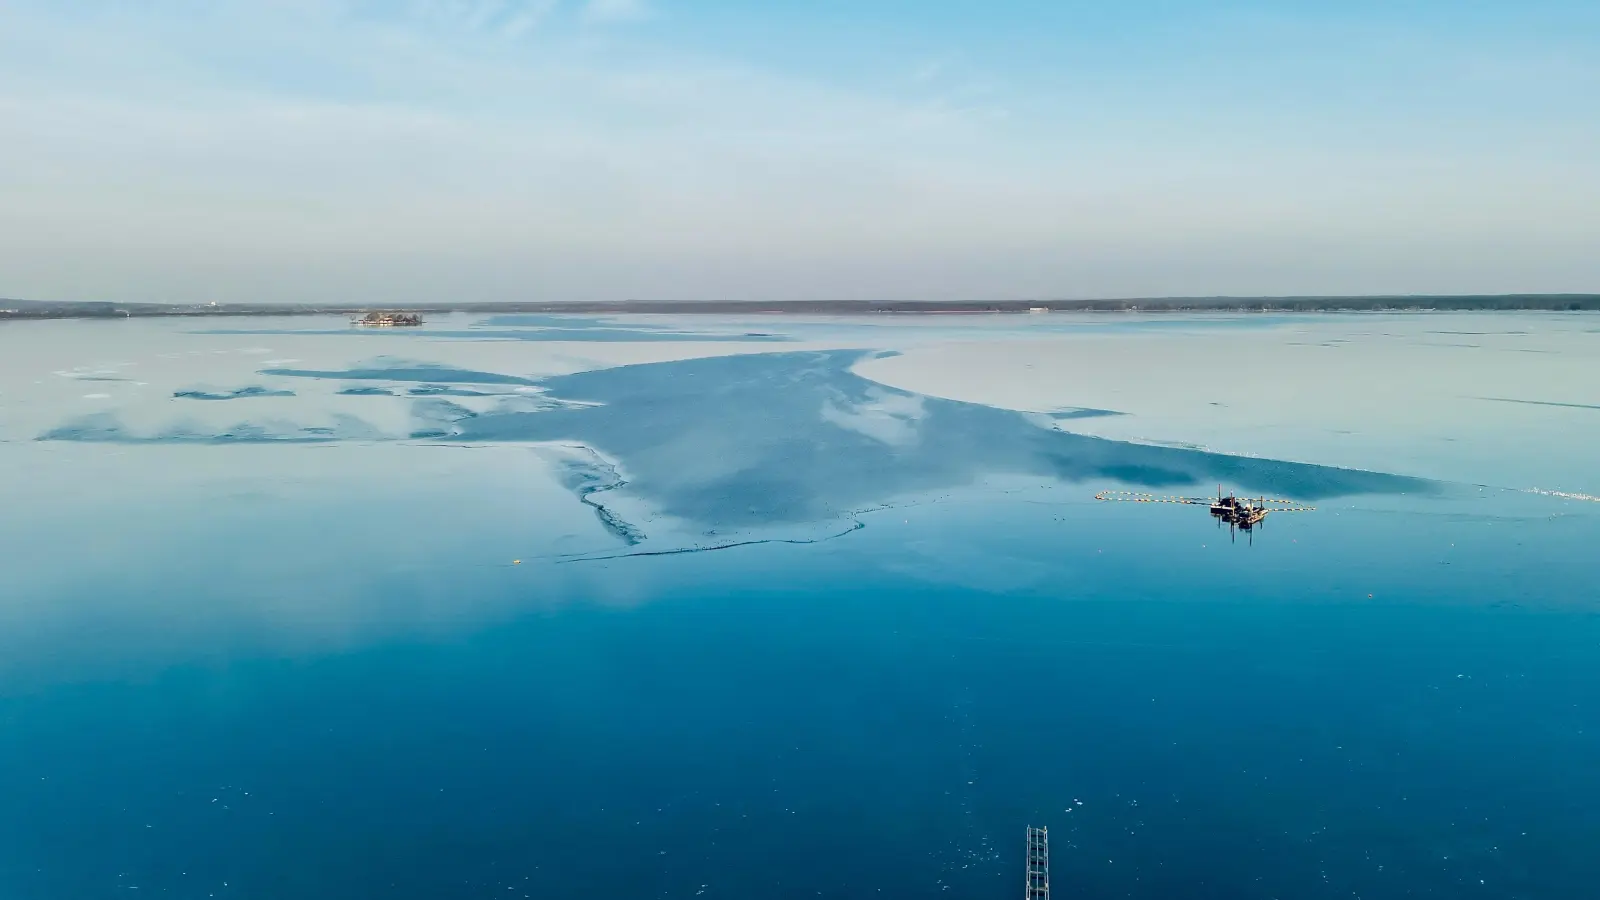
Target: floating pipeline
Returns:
[[1243, 514], [1134, 497], [1131, 497]]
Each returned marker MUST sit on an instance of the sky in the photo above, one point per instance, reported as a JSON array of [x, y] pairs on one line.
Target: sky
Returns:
[[543, 150]]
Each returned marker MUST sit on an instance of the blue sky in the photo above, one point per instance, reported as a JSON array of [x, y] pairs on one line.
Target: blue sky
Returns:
[[322, 150]]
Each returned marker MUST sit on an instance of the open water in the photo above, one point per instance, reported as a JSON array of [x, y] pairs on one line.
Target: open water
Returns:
[[785, 608]]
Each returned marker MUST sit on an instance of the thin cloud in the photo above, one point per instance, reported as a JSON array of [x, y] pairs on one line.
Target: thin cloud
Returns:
[[322, 149], [616, 10], [529, 17], [508, 18]]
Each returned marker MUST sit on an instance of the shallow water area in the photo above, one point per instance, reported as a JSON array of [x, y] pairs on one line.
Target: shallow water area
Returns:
[[798, 607]]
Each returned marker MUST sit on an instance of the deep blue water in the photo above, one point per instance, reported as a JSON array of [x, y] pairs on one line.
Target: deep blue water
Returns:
[[1395, 696], [1237, 721]]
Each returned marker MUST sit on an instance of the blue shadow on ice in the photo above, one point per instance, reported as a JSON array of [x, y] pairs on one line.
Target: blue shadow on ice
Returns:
[[745, 440], [236, 394], [612, 335], [108, 428], [789, 437], [425, 372]]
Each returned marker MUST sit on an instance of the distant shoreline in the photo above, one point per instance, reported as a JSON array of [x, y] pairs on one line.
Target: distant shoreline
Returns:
[[25, 309]]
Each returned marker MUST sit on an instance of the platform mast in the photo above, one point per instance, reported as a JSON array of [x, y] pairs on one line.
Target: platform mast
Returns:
[[1038, 864]]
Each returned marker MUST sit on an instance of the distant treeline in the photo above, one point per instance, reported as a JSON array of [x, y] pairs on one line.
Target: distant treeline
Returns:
[[23, 309]]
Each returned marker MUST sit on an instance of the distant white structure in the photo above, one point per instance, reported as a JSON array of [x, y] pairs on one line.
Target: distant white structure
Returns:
[[1036, 310]]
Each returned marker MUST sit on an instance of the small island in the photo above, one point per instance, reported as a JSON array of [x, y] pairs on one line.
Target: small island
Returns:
[[387, 319]]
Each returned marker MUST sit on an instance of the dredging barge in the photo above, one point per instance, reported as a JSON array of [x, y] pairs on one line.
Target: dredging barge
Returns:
[[1239, 513]]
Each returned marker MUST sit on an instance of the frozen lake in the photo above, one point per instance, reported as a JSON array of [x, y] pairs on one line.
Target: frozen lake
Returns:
[[786, 607]]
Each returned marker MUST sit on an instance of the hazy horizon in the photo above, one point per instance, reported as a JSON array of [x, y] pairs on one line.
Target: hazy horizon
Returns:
[[322, 151], [1064, 304]]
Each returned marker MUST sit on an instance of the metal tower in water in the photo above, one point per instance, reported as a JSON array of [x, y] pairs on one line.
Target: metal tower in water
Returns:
[[1038, 864]]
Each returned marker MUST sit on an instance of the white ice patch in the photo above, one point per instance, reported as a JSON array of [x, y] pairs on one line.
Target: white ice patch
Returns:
[[86, 373], [1565, 495], [887, 417]]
